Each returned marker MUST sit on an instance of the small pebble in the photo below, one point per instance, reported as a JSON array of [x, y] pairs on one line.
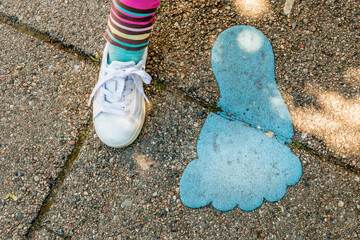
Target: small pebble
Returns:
[[127, 203], [270, 134]]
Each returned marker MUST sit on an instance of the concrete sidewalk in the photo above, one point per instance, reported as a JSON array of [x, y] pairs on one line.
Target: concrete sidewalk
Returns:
[[58, 181]]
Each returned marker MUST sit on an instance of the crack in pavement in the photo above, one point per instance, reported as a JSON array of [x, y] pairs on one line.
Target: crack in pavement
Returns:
[[36, 224]]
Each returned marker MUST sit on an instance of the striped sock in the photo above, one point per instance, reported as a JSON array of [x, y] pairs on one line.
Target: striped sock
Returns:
[[129, 28]]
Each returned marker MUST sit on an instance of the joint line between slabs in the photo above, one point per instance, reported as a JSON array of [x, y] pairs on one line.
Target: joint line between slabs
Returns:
[[46, 37], [58, 182], [326, 158], [294, 145]]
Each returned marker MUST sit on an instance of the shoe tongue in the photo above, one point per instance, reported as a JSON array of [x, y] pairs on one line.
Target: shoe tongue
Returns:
[[112, 85], [119, 65]]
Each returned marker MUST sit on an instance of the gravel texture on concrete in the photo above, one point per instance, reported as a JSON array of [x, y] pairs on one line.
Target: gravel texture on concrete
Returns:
[[43, 106], [105, 181], [133, 193], [315, 45], [44, 234], [317, 63]]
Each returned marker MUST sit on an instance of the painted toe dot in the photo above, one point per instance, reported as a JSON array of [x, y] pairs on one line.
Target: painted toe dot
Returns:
[[250, 41]]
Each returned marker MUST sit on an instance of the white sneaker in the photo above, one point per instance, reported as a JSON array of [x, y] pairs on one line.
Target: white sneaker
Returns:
[[119, 107]]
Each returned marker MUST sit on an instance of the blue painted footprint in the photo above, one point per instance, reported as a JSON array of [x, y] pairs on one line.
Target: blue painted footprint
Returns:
[[238, 164]]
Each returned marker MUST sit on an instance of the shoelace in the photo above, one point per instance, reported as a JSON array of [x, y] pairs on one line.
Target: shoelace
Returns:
[[123, 77]]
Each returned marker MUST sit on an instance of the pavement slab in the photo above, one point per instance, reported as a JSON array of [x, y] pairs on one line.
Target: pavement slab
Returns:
[[43, 108], [133, 193], [102, 179], [315, 45], [66, 20]]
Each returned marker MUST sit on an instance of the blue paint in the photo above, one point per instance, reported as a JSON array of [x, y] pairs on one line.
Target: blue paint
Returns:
[[247, 82], [238, 164]]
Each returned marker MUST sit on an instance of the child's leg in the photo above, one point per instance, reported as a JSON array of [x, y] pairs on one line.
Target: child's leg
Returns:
[[129, 27]]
